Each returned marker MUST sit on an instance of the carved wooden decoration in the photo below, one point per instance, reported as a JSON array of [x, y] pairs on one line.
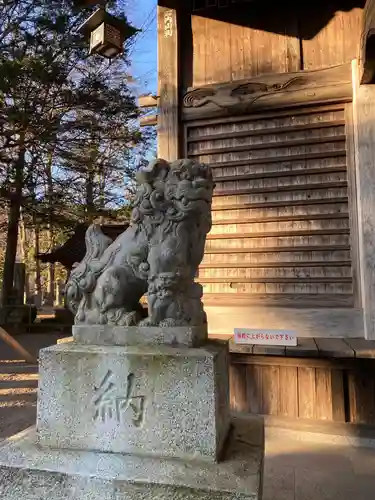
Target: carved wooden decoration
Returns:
[[367, 44], [269, 91]]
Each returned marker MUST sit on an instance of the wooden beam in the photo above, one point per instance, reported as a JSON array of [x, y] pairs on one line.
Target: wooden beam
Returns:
[[282, 173], [267, 131], [306, 322], [367, 45], [277, 265], [268, 92], [364, 145], [8, 339], [276, 189], [147, 101], [297, 281], [274, 113], [280, 159], [168, 77], [298, 248], [281, 203], [270, 145], [307, 300], [281, 218], [276, 234], [148, 121]]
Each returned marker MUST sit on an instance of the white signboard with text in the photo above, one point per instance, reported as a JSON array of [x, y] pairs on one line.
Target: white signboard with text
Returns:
[[265, 337]]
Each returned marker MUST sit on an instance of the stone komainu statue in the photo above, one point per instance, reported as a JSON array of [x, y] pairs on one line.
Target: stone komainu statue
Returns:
[[158, 254]]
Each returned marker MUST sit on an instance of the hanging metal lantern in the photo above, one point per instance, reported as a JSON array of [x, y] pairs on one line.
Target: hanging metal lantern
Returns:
[[107, 33]]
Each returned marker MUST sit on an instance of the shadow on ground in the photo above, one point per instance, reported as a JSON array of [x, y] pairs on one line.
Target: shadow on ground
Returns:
[[299, 470], [18, 389]]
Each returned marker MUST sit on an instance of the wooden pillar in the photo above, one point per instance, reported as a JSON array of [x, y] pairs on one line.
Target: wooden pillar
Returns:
[[168, 82], [364, 137]]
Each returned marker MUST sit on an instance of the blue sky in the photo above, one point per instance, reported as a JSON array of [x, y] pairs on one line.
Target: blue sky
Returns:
[[143, 58]]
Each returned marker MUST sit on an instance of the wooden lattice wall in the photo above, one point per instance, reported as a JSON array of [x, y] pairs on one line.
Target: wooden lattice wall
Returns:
[[281, 228]]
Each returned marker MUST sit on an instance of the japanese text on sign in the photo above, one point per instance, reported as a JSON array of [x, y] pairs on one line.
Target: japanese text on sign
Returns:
[[263, 337]]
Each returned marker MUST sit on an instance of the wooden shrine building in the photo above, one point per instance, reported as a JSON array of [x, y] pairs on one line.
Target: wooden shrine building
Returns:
[[278, 97]]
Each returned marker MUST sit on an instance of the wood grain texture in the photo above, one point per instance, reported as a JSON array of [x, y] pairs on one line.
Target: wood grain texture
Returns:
[[254, 388], [168, 78], [269, 91], [270, 390], [366, 50], [364, 133], [305, 322], [361, 383], [306, 392], [306, 348], [353, 204], [338, 395], [323, 394], [238, 388], [334, 348], [270, 208], [288, 395], [242, 51], [362, 348], [336, 43]]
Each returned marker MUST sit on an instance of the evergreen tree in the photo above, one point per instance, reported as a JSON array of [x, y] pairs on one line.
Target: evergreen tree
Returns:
[[66, 120]]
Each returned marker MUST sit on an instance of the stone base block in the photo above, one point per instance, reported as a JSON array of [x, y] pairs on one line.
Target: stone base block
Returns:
[[29, 472], [188, 336], [159, 401]]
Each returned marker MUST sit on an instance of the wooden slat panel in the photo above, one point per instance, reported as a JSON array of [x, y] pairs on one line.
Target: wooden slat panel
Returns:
[[277, 189], [282, 228], [297, 280], [254, 388], [270, 234], [277, 273], [337, 41], [299, 289], [312, 112], [281, 218], [306, 392], [263, 259], [277, 204], [228, 265], [278, 174], [267, 145], [338, 396], [194, 135], [288, 396], [297, 248], [323, 394], [283, 154], [238, 388], [278, 198], [279, 300], [270, 389], [281, 196], [361, 384], [319, 210]]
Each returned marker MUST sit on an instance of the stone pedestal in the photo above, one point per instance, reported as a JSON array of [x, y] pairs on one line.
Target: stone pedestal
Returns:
[[163, 401], [30, 472], [137, 420]]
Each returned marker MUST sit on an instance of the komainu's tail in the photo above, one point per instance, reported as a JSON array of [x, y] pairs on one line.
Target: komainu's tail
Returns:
[[82, 279]]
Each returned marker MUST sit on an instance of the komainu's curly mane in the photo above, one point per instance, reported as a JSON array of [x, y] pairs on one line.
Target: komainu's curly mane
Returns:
[[158, 254]]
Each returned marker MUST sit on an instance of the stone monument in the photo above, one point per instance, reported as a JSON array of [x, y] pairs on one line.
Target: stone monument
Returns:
[[137, 408]]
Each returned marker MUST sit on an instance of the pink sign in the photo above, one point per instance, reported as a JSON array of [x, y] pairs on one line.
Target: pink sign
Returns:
[[264, 337]]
